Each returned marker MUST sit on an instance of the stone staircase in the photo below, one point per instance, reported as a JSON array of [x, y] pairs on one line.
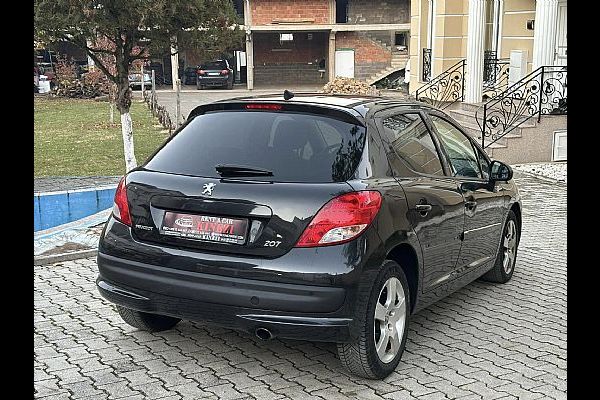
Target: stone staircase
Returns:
[[399, 59], [465, 114]]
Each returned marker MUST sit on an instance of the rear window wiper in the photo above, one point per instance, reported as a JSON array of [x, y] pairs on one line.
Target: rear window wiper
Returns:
[[241, 170]]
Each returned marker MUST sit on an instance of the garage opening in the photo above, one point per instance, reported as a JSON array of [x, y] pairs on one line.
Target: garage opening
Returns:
[[290, 57]]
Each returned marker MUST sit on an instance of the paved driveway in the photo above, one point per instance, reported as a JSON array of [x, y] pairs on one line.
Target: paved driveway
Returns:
[[484, 341]]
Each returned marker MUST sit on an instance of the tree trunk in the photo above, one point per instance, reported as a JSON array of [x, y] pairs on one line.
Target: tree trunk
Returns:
[[123, 105], [127, 131]]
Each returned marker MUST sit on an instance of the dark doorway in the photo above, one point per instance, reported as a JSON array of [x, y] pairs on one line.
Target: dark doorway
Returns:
[[341, 11], [400, 39]]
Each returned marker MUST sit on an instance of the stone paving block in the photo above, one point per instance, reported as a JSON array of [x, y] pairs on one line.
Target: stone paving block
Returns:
[[119, 390], [483, 341], [81, 389], [152, 390]]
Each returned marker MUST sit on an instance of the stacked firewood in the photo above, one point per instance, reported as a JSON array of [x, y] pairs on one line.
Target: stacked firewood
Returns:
[[349, 86]]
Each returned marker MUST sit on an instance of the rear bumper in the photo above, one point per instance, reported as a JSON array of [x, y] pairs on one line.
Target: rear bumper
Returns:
[[287, 325], [225, 290], [212, 81], [307, 294]]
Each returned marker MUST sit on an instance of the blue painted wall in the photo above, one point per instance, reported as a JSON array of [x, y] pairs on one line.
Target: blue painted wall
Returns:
[[50, 210]]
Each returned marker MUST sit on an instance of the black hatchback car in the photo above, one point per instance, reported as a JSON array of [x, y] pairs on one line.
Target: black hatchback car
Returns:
[[215, 73], [325, 218]]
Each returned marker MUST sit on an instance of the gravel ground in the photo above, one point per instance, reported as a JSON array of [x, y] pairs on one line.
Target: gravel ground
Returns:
[[555, 170]]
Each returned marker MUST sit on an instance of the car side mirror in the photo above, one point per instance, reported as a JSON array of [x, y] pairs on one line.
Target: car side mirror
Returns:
[[500, 171]]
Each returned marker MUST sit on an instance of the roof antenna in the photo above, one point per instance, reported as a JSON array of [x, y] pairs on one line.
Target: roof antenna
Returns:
[[287, 94]]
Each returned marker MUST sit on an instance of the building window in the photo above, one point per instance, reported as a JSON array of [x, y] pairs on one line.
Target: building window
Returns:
[[286, 37], [560, 146], [492, 24], [341, 11], [238, 5], [400, 41]]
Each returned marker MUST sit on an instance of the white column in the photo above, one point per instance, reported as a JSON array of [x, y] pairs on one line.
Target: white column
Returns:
[[475, 46], [544, 34], [249, 61], [331, 56]]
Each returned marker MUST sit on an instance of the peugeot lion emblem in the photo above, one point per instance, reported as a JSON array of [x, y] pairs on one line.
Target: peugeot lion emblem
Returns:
[[208, 188]]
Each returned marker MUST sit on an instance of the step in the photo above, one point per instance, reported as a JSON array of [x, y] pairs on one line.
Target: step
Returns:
[[471, 106], [474, 127], [374, 78], [462, 114]]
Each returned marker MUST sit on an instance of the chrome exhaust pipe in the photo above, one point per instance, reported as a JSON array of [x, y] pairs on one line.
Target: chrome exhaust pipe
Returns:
[[263, 334]]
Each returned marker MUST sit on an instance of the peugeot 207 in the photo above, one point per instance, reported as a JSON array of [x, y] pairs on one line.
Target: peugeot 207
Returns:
[[315, 217]]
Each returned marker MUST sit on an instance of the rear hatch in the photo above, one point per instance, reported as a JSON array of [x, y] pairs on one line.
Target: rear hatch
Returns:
[[245, 180], [214, 69]]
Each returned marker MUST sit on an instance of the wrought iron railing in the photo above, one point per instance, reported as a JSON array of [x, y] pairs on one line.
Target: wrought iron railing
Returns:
[[426, 77], [445, 89], [495, 77], [489, 57], [543, 91]]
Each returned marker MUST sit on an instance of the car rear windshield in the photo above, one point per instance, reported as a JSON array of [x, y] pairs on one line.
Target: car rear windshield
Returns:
[[220, 65], [295, 147]]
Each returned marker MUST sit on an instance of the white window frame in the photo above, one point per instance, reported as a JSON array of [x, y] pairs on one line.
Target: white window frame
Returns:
[[555, 145]]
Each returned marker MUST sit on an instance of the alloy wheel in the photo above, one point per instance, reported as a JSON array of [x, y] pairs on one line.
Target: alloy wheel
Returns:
[[390, 318], [509, 246]]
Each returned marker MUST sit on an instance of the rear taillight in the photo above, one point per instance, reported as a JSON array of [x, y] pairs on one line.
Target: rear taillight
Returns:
[[341, 219], [121, 208], [224, 72], [201, 72]]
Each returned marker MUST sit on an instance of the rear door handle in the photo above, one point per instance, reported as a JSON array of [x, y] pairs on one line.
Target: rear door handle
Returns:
[[423, 208], [470, 204]]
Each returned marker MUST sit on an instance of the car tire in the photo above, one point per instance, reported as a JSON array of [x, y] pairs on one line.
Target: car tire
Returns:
[[361, 357], [230, 85], [146, 321], [504, 266]]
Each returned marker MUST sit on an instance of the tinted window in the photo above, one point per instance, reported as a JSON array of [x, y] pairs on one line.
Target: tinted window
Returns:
[[288, 144], [214, 65], [411, 142], [460, 151]]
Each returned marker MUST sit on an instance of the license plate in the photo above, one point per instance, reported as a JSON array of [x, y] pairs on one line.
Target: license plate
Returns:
[[205, 227], [214, 74]]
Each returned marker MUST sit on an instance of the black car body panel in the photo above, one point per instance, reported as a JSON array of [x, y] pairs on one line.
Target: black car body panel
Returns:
[[301, 293]]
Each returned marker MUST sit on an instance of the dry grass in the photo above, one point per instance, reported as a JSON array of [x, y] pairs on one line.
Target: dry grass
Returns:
[[73, 137]]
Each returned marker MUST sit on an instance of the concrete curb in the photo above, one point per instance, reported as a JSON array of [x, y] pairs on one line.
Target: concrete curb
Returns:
[[54, 258], [82, 223]]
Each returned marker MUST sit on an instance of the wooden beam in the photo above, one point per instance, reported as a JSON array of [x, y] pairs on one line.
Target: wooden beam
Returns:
[[329, 27]]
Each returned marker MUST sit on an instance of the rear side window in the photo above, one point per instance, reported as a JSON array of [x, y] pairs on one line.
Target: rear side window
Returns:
[[295, 147], [411, 144]]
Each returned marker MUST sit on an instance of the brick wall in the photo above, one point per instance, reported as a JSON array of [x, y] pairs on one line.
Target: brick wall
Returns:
[[288, 63], [379, 12], [369, 58], [265, 11]]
